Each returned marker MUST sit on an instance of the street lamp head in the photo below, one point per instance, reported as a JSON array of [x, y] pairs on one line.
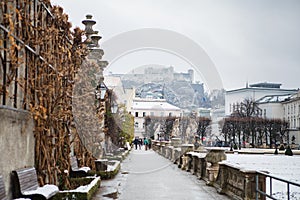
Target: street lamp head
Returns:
[[103, 90], [114, 107]]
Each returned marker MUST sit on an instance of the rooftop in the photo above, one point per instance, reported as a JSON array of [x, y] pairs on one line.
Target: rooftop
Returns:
[[266, 85], [153, 104], [274, 98]]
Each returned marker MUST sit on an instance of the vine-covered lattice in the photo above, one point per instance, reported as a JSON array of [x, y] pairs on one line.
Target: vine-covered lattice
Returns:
[[40, 57]]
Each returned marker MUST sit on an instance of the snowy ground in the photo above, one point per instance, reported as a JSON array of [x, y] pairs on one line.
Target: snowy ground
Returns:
[[285, 167]]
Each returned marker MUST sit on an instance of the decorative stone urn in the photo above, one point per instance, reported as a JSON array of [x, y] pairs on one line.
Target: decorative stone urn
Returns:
[[214, 156]]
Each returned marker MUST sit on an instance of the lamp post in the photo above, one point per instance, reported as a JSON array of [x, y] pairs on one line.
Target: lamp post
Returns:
[[114, 107], [231, 144]]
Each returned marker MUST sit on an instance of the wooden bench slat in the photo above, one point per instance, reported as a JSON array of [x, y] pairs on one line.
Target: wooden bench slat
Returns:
[[2, 189], [28, 179], [28, 184]]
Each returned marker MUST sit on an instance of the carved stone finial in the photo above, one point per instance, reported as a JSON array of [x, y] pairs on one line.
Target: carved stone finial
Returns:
[[95, 40], [89, 23]]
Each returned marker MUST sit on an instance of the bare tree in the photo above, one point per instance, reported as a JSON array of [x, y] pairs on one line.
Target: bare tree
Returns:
[[247, 108], [203, 123]]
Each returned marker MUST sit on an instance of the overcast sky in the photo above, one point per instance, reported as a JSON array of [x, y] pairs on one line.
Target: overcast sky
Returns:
[[247, 40]]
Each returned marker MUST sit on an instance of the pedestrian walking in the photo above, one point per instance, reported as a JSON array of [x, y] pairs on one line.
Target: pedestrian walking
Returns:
[[141, 141], [146, 143], [136, 142]]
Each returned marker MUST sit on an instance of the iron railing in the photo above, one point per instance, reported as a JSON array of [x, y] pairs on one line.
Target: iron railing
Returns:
[[270, 194]]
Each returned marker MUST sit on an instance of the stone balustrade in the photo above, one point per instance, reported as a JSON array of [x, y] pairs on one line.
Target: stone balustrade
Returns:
[[211, 166], [237, 182]]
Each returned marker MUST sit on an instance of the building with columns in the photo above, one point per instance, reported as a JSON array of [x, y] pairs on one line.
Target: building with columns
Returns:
[[291, 113]]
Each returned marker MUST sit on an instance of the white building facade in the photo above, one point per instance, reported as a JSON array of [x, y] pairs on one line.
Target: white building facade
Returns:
[[254, 92], [272, 106], [291, 110], [151, 107]]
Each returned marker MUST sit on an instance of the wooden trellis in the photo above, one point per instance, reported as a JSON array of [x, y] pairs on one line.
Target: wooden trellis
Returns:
[[39, 60]]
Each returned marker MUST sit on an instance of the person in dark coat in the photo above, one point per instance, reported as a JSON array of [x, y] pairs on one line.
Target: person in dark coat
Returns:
[[136, 142]]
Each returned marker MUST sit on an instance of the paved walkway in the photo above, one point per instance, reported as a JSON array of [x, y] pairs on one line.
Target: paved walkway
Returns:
[[147, 175]]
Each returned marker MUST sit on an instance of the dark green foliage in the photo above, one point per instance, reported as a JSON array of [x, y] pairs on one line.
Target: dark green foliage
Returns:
[[288, 151]]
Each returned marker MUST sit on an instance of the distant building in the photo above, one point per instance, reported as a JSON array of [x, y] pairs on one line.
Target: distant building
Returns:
[[291, 110], [272, 106], [151, 107], [233, 98], [114, 83], [123, 95], [157, 74]]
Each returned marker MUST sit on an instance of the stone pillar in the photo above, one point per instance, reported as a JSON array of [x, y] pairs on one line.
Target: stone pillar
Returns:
[[250, 184], [186, 148], [175, 142], [94, 140], [214, 156]]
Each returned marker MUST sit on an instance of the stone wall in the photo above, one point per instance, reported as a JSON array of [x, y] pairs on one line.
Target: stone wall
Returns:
[[16, 142], [235, 182]]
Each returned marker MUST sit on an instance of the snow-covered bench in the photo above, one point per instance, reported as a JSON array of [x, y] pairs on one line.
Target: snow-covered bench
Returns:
[[26, 185], [76, 171]]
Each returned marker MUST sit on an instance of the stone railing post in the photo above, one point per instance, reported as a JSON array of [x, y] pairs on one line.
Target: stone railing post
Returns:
[[237, 182], [214, 156], [250, 184]]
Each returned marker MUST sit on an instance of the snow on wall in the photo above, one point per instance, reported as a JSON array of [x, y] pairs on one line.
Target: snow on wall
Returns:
[[285, 167]]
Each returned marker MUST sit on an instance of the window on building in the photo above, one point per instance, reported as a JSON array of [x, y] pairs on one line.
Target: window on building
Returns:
[[143, 125], [161, 114], [170, 114], [230, 107], [151, 113], [144, 114], [265, 113], [136, 124], [136, 114]]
